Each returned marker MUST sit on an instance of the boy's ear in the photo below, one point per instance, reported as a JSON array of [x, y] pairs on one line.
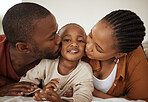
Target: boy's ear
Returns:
[[120, 55], [22, 47]]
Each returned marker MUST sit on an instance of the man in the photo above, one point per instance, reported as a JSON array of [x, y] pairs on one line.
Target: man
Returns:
[[30, 35]]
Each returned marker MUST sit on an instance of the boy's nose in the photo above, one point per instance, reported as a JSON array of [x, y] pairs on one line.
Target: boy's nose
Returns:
[[74, 44]]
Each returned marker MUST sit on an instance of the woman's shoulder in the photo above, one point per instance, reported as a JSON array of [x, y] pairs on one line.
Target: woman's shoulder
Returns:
[[136, 56], [136, 61]]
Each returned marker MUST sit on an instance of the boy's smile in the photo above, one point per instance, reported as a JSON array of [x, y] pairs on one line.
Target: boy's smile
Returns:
[[73, 51], [73, 42]]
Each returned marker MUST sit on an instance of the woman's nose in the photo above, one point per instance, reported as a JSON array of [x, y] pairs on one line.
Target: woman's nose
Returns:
[[89, 47]]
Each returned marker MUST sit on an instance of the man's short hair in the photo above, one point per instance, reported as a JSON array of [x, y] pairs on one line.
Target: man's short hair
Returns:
[[19, 21]]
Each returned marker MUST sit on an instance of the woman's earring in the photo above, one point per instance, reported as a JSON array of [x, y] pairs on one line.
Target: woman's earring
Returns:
[[116, 60]]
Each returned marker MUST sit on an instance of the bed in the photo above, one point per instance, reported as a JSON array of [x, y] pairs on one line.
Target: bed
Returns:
[[30, 99]]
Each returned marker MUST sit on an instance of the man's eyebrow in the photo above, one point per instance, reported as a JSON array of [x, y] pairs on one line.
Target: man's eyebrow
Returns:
[[100, 47], [52, 34]]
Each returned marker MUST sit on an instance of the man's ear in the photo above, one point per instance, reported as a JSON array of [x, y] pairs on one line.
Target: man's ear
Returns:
[[22, 47], [120, 55]]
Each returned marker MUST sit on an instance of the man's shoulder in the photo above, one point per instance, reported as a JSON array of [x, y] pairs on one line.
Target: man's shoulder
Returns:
[[2, 37]]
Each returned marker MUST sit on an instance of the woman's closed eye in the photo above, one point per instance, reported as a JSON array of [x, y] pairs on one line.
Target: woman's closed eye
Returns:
[[98, 49]]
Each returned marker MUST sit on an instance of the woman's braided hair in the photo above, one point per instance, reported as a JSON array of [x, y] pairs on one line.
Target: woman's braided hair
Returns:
[[128, 29]]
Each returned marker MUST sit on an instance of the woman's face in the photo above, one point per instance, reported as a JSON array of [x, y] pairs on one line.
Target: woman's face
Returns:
[[100, 42]]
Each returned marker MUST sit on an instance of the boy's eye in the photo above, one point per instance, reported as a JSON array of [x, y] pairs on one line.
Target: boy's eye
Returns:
[[80, 41], [66, 40]]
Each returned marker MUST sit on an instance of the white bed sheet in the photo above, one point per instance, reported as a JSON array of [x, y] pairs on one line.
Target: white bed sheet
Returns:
[[30, 99], [114, 100]]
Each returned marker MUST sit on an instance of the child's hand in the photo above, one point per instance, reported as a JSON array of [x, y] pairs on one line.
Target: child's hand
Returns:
[[69, 92], [52, 84], [47, 95]]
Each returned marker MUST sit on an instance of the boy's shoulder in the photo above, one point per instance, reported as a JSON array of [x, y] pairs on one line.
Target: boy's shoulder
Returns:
[[85, 66], [49, 61], [84, 63]]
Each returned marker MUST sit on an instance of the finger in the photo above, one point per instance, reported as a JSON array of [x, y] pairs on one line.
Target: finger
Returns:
[[53, 82], [51, 95], [68, 94], [21, 89], [45, 96], [38, 96], [26, 84], [23, 86], [51, 85], [56, 81], [14, 93], [50, 92]]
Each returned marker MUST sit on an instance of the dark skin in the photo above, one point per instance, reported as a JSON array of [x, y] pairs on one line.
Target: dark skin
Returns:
[[23, 55], [19, 64], [100, 46], [72, 37]]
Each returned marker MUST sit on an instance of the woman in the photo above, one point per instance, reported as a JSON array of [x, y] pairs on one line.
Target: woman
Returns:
[[119, 64]]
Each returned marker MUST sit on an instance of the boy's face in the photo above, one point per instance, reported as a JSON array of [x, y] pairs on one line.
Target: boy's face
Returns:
[[73, 42]]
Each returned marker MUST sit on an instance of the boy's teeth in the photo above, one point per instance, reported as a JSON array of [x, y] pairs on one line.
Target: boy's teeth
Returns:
[[72, 51]]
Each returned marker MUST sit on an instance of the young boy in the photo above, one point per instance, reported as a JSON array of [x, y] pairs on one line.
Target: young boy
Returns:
[[67, 70]]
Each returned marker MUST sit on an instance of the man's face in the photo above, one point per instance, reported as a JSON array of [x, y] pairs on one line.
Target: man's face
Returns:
[[46, 42]]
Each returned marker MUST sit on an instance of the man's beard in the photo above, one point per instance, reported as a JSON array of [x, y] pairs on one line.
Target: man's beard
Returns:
[[38, 54]]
